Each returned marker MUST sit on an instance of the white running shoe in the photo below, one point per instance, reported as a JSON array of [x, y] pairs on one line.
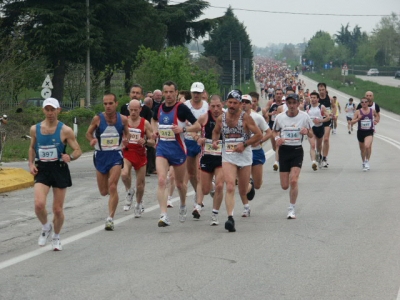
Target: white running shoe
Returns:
[[275, 166], [214, 220], [109, 225], [169, 202], [291, 213], [182, 214], [164, 221], [314, 165], [138, 210], [129, 199], [56, 244], [44, 236], [367, 166], [196, 212], [246, 212]]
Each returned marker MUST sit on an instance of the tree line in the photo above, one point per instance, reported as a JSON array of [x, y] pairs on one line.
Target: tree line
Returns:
[[136, 37]]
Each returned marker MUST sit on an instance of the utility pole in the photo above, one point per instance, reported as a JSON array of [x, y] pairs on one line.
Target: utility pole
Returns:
[[87, 56]]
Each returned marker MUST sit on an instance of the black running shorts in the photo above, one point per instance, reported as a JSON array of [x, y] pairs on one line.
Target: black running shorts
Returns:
[[53, 174], [289, 157]]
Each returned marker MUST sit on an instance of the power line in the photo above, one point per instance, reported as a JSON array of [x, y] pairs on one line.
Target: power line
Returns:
[[292, 13]]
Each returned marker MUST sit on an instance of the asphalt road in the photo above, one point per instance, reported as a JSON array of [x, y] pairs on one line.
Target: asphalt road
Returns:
[[344, 243], [382, 80]]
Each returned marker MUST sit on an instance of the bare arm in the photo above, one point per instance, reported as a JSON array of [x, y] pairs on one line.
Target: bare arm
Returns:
[[217, 132], [149, 134], [356, 117], [68, 136], [92, 127], [32, 152]]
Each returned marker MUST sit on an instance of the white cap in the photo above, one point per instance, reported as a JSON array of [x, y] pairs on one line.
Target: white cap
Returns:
[[52, 102], [197, 87], [247, 97]]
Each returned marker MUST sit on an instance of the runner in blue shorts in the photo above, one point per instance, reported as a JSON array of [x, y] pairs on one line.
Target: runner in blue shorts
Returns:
[[169, 124], [105, 135]]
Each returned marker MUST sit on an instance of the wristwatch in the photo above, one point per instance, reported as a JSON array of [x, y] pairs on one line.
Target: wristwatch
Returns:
[[184, 129], [245, 144]]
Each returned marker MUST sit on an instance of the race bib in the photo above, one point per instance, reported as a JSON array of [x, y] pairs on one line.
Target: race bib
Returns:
[[366, 124], [166, 133], [231, 144], [109, 141], [208, 148], [48, 153], [135, 135], [292, 136]]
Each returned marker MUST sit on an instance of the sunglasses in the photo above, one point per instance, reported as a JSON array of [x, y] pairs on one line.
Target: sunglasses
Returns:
[[246, 101], [364, 101]]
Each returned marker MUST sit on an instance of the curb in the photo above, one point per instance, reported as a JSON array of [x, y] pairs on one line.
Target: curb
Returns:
[[12, 179]]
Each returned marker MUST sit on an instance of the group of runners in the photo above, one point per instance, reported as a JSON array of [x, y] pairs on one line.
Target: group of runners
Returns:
[[211, 144]]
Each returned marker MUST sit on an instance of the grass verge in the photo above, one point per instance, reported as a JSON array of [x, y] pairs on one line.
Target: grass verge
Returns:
[[386, 96]]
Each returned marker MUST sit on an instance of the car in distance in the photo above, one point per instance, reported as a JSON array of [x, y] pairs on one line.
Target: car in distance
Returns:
[[373, 72], [397, 74]]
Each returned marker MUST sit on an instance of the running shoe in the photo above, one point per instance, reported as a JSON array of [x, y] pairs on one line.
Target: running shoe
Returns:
[[324, 164], [314, 165], [212, 192], [196, 212], [169, 203], [214, 220], [164, 221], [56, 244], [182, 214], [230, 225], [349, 132], [364, 168], [333, 131], [138, 210], [109, 225], [142, 206], [129, 199], [44, 236], [252, 193], [291, 213], [367, 166], [275, 166], [246, 212]]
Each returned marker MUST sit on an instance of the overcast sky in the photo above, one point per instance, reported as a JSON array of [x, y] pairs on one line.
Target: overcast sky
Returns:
[[264, 28]]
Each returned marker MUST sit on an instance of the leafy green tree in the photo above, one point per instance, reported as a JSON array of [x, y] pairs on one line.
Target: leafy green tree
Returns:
[[182, 20], [386, 38], [319, 49], [19, 69], [174, 64], [230, 30], [351, 39], [58, 30]]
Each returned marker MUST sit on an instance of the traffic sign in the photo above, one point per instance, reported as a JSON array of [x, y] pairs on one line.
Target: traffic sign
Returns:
[[46, 93], [47, 83], [345, 72]]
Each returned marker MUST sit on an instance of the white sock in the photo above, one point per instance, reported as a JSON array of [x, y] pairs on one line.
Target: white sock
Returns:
[[46, 227], [109, 219], [56, 236]]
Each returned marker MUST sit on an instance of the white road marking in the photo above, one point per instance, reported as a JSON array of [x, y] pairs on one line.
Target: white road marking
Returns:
[[74, 238]]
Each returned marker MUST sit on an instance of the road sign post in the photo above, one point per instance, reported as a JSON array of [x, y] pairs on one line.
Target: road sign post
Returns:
[[47, 86]]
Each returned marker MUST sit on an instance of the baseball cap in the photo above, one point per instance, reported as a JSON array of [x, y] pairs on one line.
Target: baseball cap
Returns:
[[247, 97], [235, 94], [293, 96], [52, 102], [197, 87]]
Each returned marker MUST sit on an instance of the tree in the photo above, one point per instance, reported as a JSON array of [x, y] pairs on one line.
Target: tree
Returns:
[[174, 64], [19, 68], [386, 38], [319, 49], [58, 30], [180, 20], [228, 31], [351, 40]]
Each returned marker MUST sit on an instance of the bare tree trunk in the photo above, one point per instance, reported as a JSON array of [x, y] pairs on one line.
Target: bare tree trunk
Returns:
[[58, 78], [128, 77]]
